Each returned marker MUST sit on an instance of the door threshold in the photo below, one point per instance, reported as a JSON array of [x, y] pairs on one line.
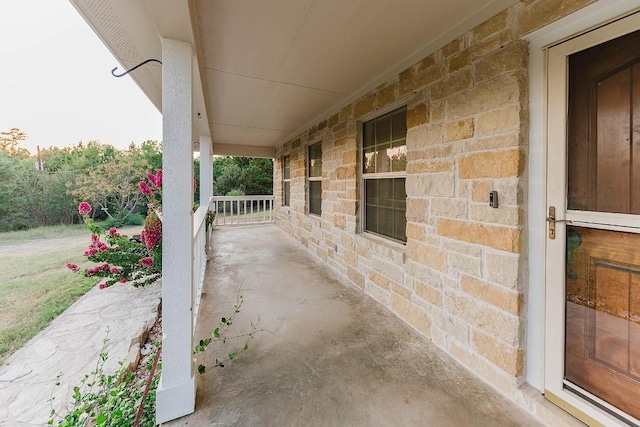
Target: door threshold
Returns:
[[591, 401]]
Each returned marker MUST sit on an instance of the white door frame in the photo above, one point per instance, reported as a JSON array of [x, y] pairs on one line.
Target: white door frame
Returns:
[[549, 49]]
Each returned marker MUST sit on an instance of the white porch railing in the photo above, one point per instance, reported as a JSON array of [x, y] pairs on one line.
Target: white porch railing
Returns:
[[242, 210], [200, 255]]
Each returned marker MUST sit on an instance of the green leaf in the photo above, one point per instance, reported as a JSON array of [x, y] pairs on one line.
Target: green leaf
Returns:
[[201, 369], [101, 419], [216, 332]]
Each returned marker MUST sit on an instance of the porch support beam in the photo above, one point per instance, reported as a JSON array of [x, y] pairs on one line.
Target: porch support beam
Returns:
[[206, 171], [176, 390]]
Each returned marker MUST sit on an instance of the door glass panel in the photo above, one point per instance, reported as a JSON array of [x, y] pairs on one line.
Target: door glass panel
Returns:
[[602, 350], [604, 127]]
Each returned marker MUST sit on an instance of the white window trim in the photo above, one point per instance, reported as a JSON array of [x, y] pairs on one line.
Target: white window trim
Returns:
[[285, 181], [313, 178], [362, 177]]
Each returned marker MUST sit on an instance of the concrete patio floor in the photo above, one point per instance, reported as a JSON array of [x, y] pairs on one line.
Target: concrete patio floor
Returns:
[[337, 357]]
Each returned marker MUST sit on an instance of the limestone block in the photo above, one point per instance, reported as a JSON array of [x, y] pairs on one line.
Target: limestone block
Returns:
[[401, 290], [417, 115], [411, 314], [490, 27], [415, 231], [510, 58], [499, 121], [498, 237], [386, 94], [493, 142], [437, 111], [349, 158], [434, 184], [491, 164], [448, 208], [485, 370], [452, 48], [364, 105], [538, 14], [452, 84], [459, 61], [462, 248], [502, 298], [428, 255], [356, 277], [502, 269], [492, 94], [379, 280], [428, 166], [482, 316], [506, 357], [424, 136], [380, 295], [428, 293], [416, 209], [350, 258], [460, 129], [363, 251], [345, 114], [333, 120], [426, 274], [507, 215], [464, 264]]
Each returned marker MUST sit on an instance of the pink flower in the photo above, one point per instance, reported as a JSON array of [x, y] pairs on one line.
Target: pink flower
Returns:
[[94, 238], [123, 280], [105, 267], [113, 231], [84, 208], [102, 285], [152, 179], [146, 261], [73, 267], [91, 251], [115, 270], [144, 188], [158, 181]]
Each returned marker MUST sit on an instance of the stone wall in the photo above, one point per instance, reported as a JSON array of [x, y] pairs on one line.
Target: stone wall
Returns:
[[460, 278]]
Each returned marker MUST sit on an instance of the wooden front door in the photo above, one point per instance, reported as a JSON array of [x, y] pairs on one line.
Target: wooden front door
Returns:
[[602, 244]]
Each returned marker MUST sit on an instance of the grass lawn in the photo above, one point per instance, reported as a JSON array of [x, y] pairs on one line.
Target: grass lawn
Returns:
[[35, 285]]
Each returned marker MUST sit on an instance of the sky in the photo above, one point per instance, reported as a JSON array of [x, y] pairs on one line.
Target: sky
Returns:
[[56, 83]]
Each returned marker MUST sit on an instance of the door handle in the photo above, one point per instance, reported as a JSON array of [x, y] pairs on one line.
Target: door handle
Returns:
[[551, 219]]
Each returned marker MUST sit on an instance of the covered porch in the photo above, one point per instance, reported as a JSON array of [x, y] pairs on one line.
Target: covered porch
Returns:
[[336, 357]]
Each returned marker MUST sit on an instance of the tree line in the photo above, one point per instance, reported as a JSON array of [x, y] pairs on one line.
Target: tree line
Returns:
[[46, 189]]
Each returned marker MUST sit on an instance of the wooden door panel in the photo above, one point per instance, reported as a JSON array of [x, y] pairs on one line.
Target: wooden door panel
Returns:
[[612, 144], [602, 351], [604, 127]]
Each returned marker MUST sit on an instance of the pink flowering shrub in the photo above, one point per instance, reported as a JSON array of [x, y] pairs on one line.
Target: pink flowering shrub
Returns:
[[121, 259]]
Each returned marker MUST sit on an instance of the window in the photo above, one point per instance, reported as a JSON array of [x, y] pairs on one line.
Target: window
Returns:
[[286, 178], [315, 178], [384, 161]]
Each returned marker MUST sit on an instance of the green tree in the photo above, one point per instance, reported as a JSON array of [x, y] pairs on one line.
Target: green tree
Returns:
[[253, 176], [112, 186]]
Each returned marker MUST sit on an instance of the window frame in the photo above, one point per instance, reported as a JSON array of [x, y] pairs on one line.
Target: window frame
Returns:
[[286, 181], [314, 178], [364, 176]]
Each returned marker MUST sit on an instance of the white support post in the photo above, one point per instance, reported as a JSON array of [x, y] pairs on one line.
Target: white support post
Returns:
[[176, 391], [206, 171]]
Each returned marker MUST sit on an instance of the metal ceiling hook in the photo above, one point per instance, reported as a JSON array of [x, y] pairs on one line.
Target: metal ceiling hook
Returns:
[[134, 68]]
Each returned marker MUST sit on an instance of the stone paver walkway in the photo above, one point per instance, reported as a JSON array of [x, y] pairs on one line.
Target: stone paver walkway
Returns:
[[71, 345]]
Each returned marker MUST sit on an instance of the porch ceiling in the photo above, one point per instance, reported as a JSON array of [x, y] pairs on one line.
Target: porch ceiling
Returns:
[[270, 69]]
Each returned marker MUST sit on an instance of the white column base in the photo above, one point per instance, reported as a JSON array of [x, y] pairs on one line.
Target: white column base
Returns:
[[176, 401]]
